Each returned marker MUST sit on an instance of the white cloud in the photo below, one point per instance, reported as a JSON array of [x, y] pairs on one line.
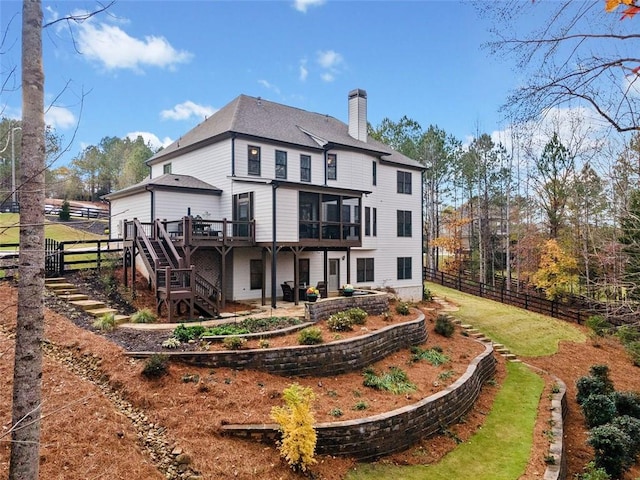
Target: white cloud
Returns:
[[115, 49], [186, 110], [303, 5], [304, 73], [327, 77], [332, 62], [59, 117], [269, 86], [150, 139]]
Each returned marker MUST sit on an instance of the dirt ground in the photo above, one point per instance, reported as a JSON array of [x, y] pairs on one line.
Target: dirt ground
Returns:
[[104, 420]]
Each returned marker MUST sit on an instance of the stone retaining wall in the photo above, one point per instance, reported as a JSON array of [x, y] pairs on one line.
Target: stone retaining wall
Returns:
[[386, 433], [333, 358], [559, 408], [374, 303]]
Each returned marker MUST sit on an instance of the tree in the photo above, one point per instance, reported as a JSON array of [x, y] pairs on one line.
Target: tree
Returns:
[[27, 376], [557, 274], [576, 55], [630, 239]]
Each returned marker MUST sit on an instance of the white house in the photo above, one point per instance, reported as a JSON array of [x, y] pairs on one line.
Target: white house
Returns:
[[260, 194]]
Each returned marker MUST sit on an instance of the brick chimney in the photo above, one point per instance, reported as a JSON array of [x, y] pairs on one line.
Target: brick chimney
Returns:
[[358, 114]]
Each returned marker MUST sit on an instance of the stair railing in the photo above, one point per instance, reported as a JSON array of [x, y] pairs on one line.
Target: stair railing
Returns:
[[207, 293], [151, 261], [176, 260]]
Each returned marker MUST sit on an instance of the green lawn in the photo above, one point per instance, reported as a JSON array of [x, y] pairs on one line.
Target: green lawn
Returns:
[[524, 333], [10, 231], [498, 451]]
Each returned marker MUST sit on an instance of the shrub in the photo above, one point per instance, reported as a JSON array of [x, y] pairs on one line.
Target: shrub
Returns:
[[156, 366], [340, 322], [591, 472], [611, 446], [598, 325], [633, 349], [630, 426], [426, 294], [402, 308], [361, 405], [65, 211], [295, 420], [335, 412], [184, 333], [171, 342], [310, 336], [627, 403], [444, 325], [628, 334], [144, 316], [433, 356], [396, 381], [234, 343], [264, 343], [598, 409], [106, 323], [589, 385], [357, 315]]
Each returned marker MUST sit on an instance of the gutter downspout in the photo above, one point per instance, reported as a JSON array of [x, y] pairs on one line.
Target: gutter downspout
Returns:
[[233, 154], [153, 203], [274, 254]]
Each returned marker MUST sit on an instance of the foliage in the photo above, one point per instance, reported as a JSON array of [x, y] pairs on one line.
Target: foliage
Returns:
[[628, 334], [591, 472], [601, 371], [361, 405], [252, 325], [444, 326], [234, 343], [295, 420], [336, 412], [310, 336], [184, 333], [611, 446], [171, 342], [630, 240], [313, 291], [395, 381], [598, 409], [357, 315], [106, 322], [226, 329], [432, 355], [65, 212], [630, 426], [144, 316], [264, 343], [598, 325], [156, 366], [557, 273], [340, 322], [426, 294], [402, 308], [592, 385], [633, 349], [627, 403]]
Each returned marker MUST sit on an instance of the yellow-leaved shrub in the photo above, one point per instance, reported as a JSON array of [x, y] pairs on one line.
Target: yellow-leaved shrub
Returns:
[[296, 420]]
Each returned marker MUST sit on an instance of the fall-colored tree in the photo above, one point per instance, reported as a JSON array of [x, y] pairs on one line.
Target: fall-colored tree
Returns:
[[558, 272]]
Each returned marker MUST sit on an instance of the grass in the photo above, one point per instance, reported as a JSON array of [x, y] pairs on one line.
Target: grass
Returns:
[[525, 333], [10, 231], [498, 451]]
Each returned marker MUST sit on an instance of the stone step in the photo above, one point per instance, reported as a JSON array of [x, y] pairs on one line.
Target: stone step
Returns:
[[122, 318], [485, 339], [65, 291], [61, 286], [88, 304], [73, 297], [509, 356], [466, 326], [476, 335], [54, 280], [457, 321], [502, 350], [98, 312], [496, 346]]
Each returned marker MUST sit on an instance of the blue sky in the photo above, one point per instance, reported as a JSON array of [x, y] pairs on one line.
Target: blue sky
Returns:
[[159, 67]]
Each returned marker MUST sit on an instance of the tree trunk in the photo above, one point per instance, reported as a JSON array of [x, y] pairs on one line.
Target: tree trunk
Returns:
[[27, 378]]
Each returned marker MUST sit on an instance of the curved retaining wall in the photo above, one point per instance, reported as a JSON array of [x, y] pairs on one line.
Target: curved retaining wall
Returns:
[[379, 435], [374, 303], [559, 408], [333, 358]]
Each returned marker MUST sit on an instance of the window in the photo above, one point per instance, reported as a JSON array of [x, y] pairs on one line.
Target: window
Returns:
[[375, 221], [303, 271], [364, 270], [404, 223], [242, 214], [253, 160], [375, 173], [305, 168], [166, 168], [404, 182], [367, 221], [404, 268], [332, 166], [281, 164], [255, 272]]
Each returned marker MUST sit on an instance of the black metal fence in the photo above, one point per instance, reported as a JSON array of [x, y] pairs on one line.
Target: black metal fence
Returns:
[[500, 293]]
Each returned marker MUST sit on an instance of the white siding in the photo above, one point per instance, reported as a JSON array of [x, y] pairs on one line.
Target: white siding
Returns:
[[171, 205], [127, 208]]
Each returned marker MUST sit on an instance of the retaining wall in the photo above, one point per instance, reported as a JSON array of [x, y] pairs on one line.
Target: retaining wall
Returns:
[[374, 303], [559, 409], [372, 437], [332, 358]]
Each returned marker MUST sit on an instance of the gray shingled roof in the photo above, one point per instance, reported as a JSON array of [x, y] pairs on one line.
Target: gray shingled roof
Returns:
[[280, 123], [167, 181]]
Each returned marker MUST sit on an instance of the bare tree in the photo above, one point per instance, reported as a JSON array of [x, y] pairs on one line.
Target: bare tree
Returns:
[[578, 55], [27, 376]]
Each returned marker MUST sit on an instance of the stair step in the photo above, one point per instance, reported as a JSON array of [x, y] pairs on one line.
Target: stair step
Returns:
[[73, 297], [485, 339], [60, 286], [510, 356], [477, 335], [466, 326], [496, 346], [88, 304], [502, 351], [122, 318], [54, 280], [98, 312]]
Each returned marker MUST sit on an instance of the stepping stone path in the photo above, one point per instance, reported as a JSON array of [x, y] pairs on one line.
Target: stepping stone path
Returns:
[[474, 332]]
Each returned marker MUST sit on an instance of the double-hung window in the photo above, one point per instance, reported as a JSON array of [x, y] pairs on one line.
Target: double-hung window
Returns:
[[364, 270], [253, 160], [404, 182], [281, 164], [404, 268], [404, 223], [332, 166], [305, 168]]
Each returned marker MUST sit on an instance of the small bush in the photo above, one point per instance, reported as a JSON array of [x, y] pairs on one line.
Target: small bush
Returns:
[[65, 211], [633, 349], [184, 333], [234, 343], [589, 385], [264, 343], [396, 381], [106, 323], [433, 356], [627, 403], [144, 316], [357, 315], [628, 334], [630, 426], [335, 412], [171, 342], [402, 308], [591, 472], [340, 322], [361, 405], [156, 366], [444, 326], [611, 446], [310, 336], [598, 409], [426, 294], [598, 325], [296, 420]]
